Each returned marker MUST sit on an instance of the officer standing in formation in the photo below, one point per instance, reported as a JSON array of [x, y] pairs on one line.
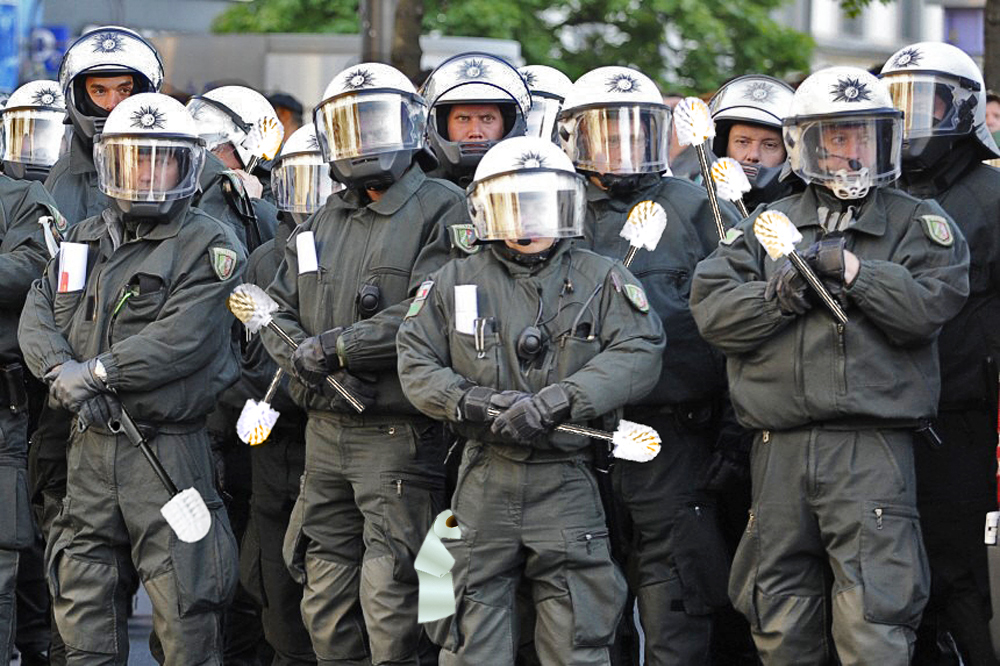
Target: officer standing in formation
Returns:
[[526, 501], [945, 139], [147, 328], [835, 405]]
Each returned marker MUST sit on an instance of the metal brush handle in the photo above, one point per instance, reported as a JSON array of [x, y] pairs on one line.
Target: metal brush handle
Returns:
[[334, 384], [570, 428], [710, 188], [817, 286]]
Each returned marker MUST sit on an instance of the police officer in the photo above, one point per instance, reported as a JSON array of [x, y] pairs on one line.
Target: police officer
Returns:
[[149, 328], [302, 184], [551, 333], [614, 128], [373, 481], [33, 130], [835, 405], [945, 138], [748, 112]]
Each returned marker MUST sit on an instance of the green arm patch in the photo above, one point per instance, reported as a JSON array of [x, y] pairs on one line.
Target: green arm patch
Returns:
[[938, 230], [731, 236], [637, 298], [463, 236], [223, 262], [58, 221], [418, 301]]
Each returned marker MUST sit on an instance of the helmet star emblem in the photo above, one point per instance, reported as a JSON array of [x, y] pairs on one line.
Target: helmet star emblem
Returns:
[[474, 68], [358, 79], [758, 91], [313, 142], [530, 160], [530, 78], [850, 90], [907, 58], [147, 118], [623, 83], [46, 97], [108, 42]]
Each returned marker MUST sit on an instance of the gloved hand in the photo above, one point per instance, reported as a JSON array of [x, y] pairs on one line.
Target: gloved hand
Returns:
[[477, 401], [826, 258], [98, 410], [360, 387], [526, 420], [316, 357], [72, 383], [789, 287]]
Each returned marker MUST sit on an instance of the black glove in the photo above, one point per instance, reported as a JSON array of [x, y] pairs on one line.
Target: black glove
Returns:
[[474, 406], [316, 357], [98, 410], [826, 258], [526, 420], [74, 384], [361, 388], [789, 287]]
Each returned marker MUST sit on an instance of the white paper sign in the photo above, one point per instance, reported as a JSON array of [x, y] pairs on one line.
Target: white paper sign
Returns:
[[305, 246], [466, 308], [72, 267]]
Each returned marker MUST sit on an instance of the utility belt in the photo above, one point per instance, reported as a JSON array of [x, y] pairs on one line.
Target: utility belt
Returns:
[[13, 389], [923, 429], [695, 415], [150, 429]]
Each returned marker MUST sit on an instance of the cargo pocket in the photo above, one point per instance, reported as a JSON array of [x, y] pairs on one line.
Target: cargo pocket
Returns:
[[894, 570], [205, 572], [700, 557], [293, 549], [59, 538], [16, 528], [409, 504], [64, 306], [251, 576], [743, 577], [597, 587]]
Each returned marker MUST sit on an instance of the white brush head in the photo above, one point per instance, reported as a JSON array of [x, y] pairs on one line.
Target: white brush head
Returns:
[[256, 422], [252, 306], [187, 515], [730, 180], [644, 225], [776, 233], [693, 122], [264, 138], [635, 442]]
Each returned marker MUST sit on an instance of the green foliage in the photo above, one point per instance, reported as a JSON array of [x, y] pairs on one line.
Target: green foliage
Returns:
[[853, 8], [688, 46]]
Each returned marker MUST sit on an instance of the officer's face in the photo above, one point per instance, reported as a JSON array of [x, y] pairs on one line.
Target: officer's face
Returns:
[[160, 173], [227, 154], [847, 147], [108, 91], [612, 149], [475, 122], [993, 116], [536, 245], [754, 144]]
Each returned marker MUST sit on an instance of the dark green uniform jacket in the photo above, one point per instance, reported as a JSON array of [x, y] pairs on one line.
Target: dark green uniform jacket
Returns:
[[599, 351], [880, 368], [153, 310], [359, 244], [72, 182], [691, 369]]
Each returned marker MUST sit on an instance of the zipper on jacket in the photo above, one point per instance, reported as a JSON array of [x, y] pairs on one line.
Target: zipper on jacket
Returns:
[[841, 360], [750, 520], [878, 518]]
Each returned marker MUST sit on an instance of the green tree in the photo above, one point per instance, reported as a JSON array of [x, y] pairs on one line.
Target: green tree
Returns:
[[691, 46]]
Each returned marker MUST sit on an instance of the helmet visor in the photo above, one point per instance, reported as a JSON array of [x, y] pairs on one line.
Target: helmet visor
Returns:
[[146, 169], [618, 140], [542, 116], [33, 136], [845, 148], [360, 125], [528, 204], [932, 105], [215, 126], [302, 183]]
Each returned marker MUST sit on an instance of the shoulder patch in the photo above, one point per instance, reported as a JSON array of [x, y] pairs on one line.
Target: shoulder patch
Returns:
[[418, 301], [637, 297], [223, 262], [938, 230], [58, 221], [731, 235], [463, 236]]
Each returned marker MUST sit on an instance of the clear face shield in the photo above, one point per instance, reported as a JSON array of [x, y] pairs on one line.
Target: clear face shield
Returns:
[[145, 169], [366, 124], [541, 119], [34, 136], [932, 105], [849, 156], [619, 140], [528, 204], [302, 183]]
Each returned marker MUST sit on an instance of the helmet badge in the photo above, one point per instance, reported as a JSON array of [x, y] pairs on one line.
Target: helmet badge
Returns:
[[531, 160], [46, 97], [108, 42], [530, 78], [907, 58], [358, 79], [473, 68], [758, 91], [623, 83], [147, 118], [850, 90]]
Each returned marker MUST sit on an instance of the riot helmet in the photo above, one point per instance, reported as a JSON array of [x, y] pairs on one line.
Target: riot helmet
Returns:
[[548, 87], [526, 188], [109, 51], [614, 125], [758, 104], [34, 134], [941, 93], [843, 133], [149, 157], [239, 119], [464, 94], [300, 178], [370, 126]]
